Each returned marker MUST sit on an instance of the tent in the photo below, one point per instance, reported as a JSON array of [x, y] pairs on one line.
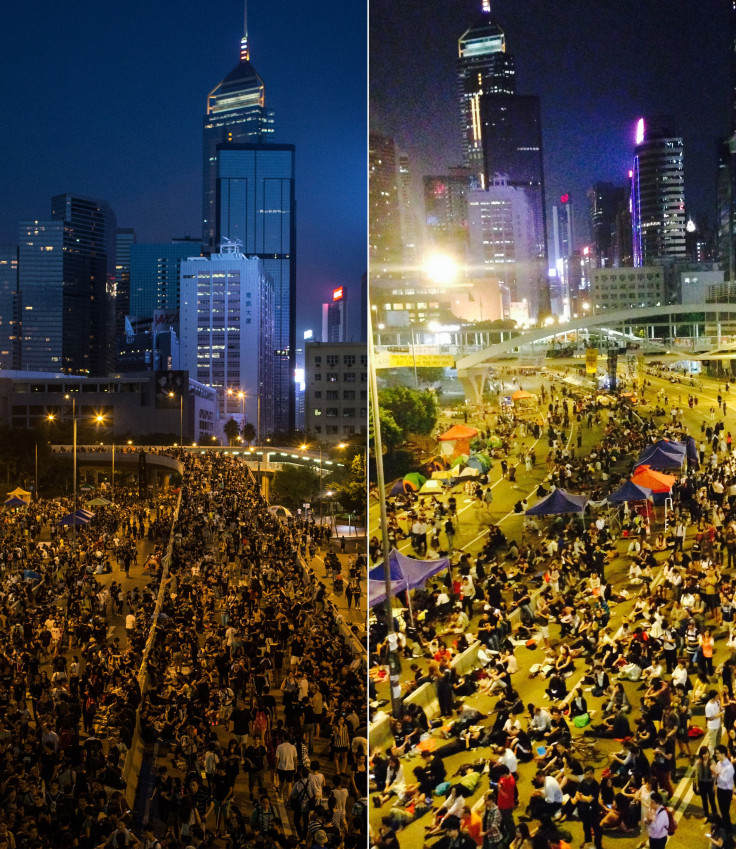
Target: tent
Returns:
[[457, 440], [656, 481], [74, 519], [433, 485], [99, 502], [661, 459], [521, 395], [479, 462], [415, 480], [630, 491], [469, 472], [21, 493], [85, 514], [14, 501], [399, 488], [406, 573], [436, 464], [458, 461], [444, 475], [558, 502], [494, 441]]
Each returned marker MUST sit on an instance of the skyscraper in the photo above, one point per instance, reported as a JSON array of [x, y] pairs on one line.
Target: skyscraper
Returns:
[[227, 331], [154, 275], [9, 308], [125, 237], [384, 220], [483, 67], [657, 193], [335, 317], [236, 112], [256, 208], [606, 202], [512, 145], [67, 290]]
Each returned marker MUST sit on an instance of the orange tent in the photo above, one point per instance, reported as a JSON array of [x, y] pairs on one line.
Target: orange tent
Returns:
[[656, 481], [521, 394], [457, 440]]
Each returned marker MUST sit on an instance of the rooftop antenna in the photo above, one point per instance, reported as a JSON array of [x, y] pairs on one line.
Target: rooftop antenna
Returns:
[[244, 51]]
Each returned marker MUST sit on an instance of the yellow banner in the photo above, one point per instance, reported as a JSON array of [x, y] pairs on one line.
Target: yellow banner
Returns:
[[389, 359], [591, 360]]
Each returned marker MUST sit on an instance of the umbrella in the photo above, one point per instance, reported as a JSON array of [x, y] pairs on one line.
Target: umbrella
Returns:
[[14, 501], [416, 479], [278, 510], [558, 502], [656, 481]]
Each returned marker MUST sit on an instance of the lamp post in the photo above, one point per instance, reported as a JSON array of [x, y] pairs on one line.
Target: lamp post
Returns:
[[304, 447], [181, 415], [52, 417]]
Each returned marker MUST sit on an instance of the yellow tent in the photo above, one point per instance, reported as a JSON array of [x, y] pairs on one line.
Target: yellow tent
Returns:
[[18, 492]]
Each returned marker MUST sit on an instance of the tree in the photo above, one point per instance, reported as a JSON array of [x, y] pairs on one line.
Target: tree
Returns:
[[249, 432], [351, 488], [391, 434], [413, 411], [294, 486], [232, 430]]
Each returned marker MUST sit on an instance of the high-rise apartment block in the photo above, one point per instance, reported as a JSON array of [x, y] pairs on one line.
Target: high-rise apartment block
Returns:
[[658, 193], [226, 331], [335, 317], [9, 308], [336, 395], [384, 219]]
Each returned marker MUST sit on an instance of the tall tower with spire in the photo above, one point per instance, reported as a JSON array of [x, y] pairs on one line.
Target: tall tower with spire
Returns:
[[236, 113], [483, 67]]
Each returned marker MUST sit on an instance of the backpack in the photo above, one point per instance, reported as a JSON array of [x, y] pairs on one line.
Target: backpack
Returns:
[[671, 823]]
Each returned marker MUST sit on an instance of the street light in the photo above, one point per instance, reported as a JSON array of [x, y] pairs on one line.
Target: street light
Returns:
[[53, 417], [100, 419], [181, 415]]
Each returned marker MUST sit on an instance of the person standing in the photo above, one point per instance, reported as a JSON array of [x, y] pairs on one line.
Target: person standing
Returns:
[[658, 821], [714, 719], [722, 771], [491, 823], [589, 809]]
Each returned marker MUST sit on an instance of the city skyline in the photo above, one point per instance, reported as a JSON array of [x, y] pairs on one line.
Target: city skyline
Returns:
[[589, 109], [118, 111]]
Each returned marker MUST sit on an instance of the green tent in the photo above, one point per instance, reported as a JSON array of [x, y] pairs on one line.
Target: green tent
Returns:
[[459, 460], [415, 478]]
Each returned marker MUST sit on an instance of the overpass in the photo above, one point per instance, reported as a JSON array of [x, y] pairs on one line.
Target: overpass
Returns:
[[638, 326]]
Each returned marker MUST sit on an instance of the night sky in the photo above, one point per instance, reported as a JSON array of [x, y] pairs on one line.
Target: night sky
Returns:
[[107, 100], [596, 67]]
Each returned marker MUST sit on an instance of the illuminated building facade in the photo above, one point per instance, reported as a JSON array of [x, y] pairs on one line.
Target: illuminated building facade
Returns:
[[9, 308], [483, 67], [658, 217], [226, 331], [256, 209], [335, 317], [236, 112], [66, 268]]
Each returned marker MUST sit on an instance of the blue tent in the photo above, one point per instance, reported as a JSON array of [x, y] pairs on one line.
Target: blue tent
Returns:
[[398, 488], [663, 455], [75, 519], [630, 491], [14, 501], [406, 573], [476, 462], [692, 451], [558, 502]]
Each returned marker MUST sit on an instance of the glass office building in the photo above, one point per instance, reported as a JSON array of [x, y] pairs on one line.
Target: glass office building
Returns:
[[154, 275], [236, 112], [256, 210]]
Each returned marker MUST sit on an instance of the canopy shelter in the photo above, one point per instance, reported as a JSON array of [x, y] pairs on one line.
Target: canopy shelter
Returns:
[[656, 481], [14, 501], [85, 514], [74, 519], [457, 440], [630, 491], [99, 502], [406, 573], [19, 492], [664, 454], [558, 502]]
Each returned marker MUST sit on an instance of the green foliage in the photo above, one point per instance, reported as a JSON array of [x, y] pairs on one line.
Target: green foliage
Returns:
[[249, 432], [351, 486], [413, 411], [294, 485], [232, 430]]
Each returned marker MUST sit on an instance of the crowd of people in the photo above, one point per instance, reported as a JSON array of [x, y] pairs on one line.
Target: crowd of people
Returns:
[[247, 701], [641, 621]]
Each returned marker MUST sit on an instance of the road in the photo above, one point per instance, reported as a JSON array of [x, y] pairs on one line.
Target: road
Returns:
[[470, 538]]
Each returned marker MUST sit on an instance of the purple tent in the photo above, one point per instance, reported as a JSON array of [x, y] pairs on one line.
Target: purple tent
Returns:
[[558, 502], [630, 491], [406, 574]]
